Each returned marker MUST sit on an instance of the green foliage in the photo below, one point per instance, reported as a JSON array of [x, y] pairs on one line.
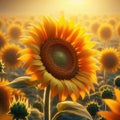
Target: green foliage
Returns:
[[38, 105]]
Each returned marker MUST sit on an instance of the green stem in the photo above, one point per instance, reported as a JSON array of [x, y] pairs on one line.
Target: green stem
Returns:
[[105, 83], [47, 114]]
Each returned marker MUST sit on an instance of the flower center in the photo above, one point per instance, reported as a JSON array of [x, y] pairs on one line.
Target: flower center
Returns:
[[110, 61], [60, 58]]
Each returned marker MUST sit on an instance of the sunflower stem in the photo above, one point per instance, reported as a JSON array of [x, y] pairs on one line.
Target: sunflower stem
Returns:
[[105, 83], [47, 113], [104, 77]]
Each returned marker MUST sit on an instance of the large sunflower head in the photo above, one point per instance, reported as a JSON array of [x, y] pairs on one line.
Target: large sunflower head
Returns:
[[10, 55], [14, 32], [105, 32], [59, 54], [110, 60], [114, 106], [3, 40]]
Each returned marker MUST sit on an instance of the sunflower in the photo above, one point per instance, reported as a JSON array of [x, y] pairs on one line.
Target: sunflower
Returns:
[[60, 55], [118, 30], [114, 106], [112, 21], [94, 26], [3, 40], [5, 97], [10, 55], [92, 108], [19, 108], [14, 32], [110, 60], [105, 32]]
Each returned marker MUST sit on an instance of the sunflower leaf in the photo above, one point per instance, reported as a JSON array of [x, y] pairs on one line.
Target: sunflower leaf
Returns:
[[22, 82], [68, 109]]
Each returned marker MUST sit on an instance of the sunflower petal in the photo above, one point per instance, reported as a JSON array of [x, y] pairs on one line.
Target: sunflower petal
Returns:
[[113, 105], [50, 27], [109, 115], [117, 94]]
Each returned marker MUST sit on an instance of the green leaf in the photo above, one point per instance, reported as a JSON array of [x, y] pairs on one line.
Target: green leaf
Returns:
[[71, 108]]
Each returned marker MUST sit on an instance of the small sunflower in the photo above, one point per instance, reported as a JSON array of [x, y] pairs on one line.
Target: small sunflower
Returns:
[[19, 108], [94, 26], [59, 54], [110, 60], [118, 30], [93, 108], [3, 40], [107, 93], [114, 106], [112, 21], [105, 32], [14, 32], [10, 55]]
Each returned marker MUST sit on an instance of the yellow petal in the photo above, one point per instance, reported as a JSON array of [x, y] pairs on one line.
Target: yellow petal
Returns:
[[78, 83], [113, 105], [117, 94], [50, 27], [36, 62], [109, 115]]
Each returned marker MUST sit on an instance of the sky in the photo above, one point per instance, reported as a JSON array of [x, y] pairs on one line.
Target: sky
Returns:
[[56, 6]]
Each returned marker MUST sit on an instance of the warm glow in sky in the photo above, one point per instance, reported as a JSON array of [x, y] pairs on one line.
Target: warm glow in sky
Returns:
[[56, 6]]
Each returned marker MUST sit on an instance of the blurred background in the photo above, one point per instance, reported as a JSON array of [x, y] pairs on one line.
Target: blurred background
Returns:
[[71, 7]]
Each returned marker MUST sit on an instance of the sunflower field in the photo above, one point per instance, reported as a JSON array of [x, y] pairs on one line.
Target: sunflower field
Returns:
[[60, 67]]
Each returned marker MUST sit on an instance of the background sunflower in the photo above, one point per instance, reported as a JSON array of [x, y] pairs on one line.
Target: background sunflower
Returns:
[[14, 32], [94, 26], [105, 32], [10, 55], [110, 60]]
